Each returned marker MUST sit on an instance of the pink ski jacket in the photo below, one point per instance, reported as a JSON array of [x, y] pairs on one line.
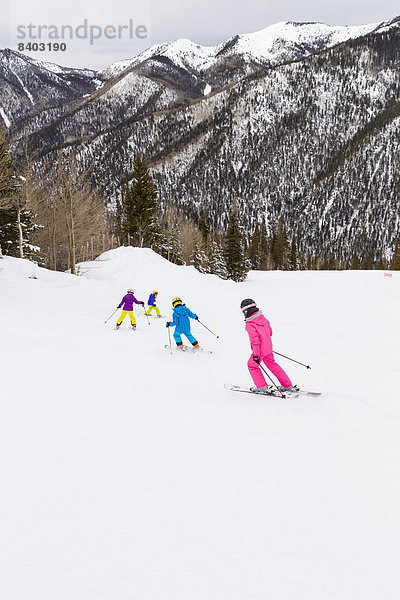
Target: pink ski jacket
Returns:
[[259, 330]]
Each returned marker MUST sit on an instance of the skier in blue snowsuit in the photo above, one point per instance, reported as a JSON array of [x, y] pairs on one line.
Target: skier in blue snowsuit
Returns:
[[181, 322]]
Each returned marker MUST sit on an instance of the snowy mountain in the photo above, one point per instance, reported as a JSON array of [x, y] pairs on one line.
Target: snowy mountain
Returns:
[[285, 41], [128, 472], [28, 86], [301, 126]]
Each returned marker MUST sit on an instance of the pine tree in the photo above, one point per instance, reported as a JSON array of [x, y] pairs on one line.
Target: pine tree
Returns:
[[280, 248], [199, 259], [254, 253], [216, 260], [395, 262], [236, 263], [140, 206], [264, 249], [9, 191]]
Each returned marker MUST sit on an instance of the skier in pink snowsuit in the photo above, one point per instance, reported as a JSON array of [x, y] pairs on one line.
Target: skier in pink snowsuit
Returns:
[[259, 330]]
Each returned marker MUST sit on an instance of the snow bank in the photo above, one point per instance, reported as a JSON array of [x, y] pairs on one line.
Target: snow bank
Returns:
[[131, 473]]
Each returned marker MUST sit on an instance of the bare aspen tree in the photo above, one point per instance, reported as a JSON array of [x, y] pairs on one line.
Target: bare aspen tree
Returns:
[[66, 196], [83, 212], [190, 238], [69, 211], [41, 197]]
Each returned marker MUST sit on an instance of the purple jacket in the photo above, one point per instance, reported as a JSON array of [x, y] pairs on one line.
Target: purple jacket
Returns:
[[128, 301]]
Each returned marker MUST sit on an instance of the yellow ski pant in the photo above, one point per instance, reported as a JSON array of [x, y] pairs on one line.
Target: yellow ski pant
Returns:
[[153, 308], [123, 315]]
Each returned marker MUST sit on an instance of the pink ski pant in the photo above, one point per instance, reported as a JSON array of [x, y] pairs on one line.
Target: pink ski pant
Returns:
[[269, 361]]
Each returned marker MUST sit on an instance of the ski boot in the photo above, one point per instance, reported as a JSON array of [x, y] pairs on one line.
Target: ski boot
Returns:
[[261, 390], [118, 325], [291, 388], [133, 326]]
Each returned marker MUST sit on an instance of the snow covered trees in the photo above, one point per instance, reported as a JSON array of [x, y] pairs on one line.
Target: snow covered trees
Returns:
[[216, 259], [9, 189], [15, 208], [199, 259]]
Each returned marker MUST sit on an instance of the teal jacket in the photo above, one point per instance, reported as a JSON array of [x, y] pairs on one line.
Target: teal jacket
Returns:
[[180, 319]]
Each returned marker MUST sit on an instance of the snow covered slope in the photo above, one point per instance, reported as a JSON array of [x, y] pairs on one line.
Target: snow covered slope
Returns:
[[130, 473]]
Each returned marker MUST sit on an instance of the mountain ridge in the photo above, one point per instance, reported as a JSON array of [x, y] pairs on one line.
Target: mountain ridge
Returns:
[[198, 76]]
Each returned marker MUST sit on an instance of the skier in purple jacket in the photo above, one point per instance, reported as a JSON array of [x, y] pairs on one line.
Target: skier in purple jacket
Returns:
[[127, 308]]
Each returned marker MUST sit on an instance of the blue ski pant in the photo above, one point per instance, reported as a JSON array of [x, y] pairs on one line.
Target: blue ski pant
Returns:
[[178, 338]]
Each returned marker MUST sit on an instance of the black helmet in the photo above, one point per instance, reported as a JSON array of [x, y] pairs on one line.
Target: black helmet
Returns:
[[247, 303], [248, 307]]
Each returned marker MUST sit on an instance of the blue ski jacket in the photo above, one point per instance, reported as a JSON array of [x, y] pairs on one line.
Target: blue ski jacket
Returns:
[[180, 319], [152, 300]]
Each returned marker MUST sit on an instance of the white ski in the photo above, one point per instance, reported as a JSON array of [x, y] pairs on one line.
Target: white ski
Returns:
[[188, 349], [271, 392]]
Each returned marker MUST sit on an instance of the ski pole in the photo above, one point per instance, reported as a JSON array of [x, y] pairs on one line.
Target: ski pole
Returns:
[[207, 328], [292, 359], [111, 315], [147, 316], [273, 382], [170, 343]]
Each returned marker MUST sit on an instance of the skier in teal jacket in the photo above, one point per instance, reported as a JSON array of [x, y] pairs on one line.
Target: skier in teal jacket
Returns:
[[181, 321]]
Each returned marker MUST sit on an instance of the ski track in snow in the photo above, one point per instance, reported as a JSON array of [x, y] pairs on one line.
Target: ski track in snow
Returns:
[[130, 473]]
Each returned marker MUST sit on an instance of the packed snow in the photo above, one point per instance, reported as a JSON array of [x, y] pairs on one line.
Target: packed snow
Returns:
[[130, 472]]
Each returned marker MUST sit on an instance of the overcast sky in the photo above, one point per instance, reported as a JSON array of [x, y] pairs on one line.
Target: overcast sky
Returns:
[[207, 22], [212, 21]]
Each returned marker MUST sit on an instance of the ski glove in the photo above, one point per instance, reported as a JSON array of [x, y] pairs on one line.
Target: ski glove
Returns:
[[167, 324], [142, 303], [196, 318], [256, 359]]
